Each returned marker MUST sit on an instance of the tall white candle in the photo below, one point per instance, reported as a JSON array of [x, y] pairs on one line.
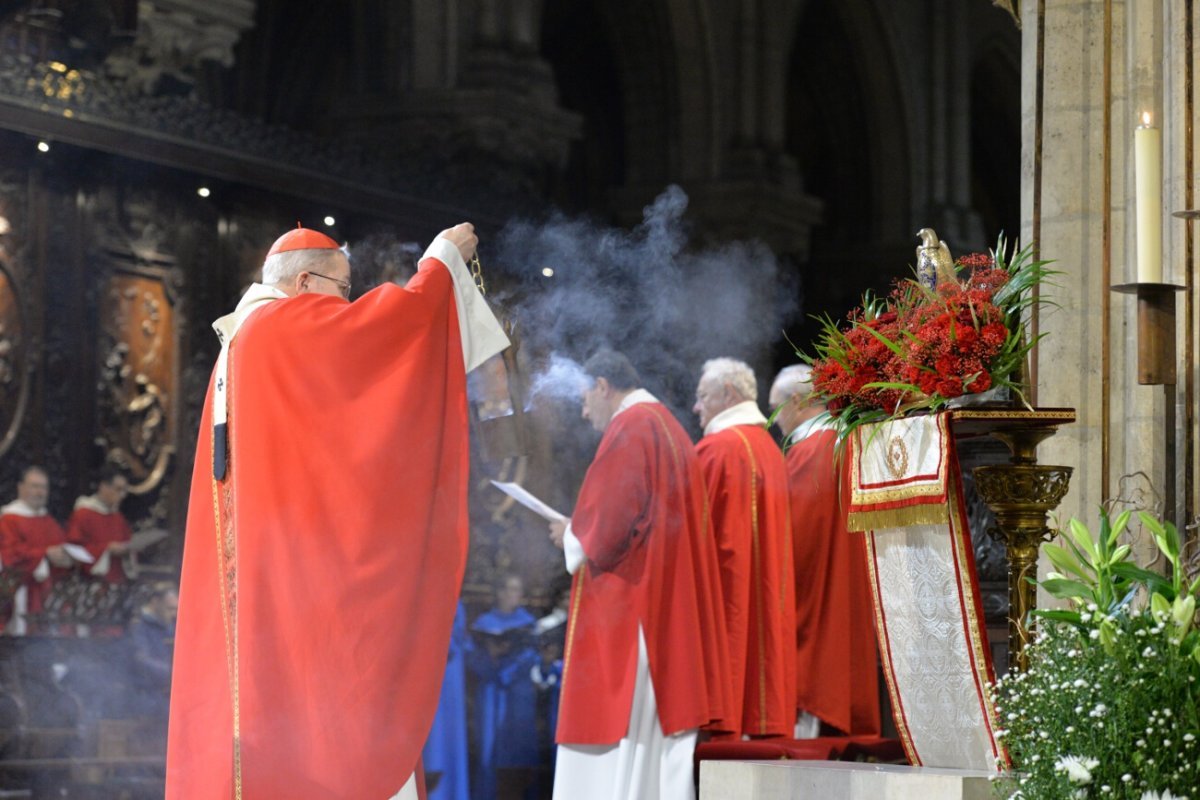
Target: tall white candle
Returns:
[[1147, 167]]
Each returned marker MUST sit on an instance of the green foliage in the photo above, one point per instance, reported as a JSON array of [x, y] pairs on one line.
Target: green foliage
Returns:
[[1110, 704], [873, 393]]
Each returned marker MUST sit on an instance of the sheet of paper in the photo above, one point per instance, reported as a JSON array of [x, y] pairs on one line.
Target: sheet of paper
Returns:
[[143, 539], [518, 493], [78, 553]]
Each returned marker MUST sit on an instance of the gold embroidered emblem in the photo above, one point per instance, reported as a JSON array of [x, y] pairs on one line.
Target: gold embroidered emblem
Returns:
[[897, 457]]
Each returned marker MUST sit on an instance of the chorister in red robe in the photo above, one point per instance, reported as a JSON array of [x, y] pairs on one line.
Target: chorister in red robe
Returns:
[[94, 527], [836, 669], [25, 534], [321, 570], [748, 495], [642, 523]]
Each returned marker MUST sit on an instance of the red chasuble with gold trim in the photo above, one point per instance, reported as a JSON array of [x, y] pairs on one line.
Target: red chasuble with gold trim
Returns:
[[642, 522], [836, 669], [94, 532], [748, 493], [320, 575]]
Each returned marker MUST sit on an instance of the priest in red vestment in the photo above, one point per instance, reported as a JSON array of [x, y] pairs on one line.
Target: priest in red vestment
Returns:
[[327, 528], [836, 669], [31, 549], [98, 526], [644, 666], [748, 496]]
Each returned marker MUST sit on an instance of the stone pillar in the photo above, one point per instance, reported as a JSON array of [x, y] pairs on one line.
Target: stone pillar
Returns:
[[757, 189], [479, 101], [949, 146], [1086, 143]]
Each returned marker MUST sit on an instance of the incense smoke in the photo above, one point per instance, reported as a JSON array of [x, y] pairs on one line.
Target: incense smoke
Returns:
[[562, 379], [666, 305]]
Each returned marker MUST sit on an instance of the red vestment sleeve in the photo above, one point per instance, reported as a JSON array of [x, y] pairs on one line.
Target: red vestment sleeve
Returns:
[[94, 532], [26, 539], [320, 576], [837, 671], [606, 520]]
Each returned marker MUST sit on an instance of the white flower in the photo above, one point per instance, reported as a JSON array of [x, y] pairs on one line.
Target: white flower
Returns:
[[1165, 795], [1126, 778], [1070, 729], [1189, 737], [1094, 633], [1080, 683], [1078, 768]]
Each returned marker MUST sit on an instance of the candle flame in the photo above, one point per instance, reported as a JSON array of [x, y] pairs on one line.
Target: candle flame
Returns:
[[1146, 118]]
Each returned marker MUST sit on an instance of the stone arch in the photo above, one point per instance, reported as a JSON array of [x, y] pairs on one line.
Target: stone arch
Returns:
[[847, 123], [294, 67], [661, 87]]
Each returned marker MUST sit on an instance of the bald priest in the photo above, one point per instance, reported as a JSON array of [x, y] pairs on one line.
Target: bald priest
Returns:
[[327, 528]]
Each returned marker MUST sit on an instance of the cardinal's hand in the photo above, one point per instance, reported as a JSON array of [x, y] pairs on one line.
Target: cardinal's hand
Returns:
[[57, 555], [557, 529], [463, 237]]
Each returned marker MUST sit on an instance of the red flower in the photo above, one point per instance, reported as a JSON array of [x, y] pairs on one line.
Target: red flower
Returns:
[[977, 261]]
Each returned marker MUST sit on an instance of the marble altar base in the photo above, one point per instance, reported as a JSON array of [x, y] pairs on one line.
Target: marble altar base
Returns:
[[837, 780]]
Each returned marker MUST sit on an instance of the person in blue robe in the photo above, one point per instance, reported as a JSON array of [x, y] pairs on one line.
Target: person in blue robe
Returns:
[[446, 760], [505, 696]]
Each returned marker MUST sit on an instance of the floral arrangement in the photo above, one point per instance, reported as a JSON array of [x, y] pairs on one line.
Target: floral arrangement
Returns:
[[1110, 703], [920, 347]]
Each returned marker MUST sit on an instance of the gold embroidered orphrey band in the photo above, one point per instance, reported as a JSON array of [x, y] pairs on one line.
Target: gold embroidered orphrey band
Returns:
[[226, 542]]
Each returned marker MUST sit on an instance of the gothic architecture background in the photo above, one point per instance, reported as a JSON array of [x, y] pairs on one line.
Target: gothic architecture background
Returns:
[[151, 150]]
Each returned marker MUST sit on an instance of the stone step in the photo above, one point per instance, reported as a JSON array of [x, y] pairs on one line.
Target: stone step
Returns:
[[837, 780]]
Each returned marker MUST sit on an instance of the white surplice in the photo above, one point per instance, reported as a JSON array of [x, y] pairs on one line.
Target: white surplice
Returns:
[[644, 765]]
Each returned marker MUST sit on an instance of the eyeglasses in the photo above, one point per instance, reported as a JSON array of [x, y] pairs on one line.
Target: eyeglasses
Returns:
[[343, 286]]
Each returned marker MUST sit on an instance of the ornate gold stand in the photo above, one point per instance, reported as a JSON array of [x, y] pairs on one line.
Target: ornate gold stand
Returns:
[[1020, 494]]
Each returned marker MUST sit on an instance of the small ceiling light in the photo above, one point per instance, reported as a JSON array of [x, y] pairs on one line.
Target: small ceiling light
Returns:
[[548, 272], [43, 147], [203, 191], [330, 222]]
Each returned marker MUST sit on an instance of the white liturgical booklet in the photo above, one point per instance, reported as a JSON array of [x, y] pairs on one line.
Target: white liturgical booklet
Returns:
[[143, 539], [517, 492], [78, 553]]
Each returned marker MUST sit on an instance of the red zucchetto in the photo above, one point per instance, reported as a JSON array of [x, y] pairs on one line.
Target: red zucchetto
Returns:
[[302, 239]]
